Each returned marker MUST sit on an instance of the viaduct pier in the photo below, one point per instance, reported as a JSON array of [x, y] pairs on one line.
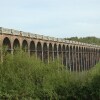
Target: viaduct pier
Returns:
[[75, 56]]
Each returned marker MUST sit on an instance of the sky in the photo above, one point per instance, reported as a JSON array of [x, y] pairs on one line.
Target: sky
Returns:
[[55, 18]]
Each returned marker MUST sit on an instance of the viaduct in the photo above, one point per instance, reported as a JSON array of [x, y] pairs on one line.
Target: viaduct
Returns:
[[75, 56]]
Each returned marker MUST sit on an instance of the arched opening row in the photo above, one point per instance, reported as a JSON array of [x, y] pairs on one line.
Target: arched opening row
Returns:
[[75, 58]]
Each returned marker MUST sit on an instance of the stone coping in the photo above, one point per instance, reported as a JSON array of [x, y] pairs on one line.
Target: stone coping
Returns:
[[42, 37]]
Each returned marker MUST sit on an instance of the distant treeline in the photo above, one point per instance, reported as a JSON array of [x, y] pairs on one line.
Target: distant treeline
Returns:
[[90, 40]]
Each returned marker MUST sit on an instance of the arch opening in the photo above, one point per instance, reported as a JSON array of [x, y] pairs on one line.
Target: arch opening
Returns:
[[32, 48], [89, 51], [67, 58], [64, 55], [74, 59], [16, 45], [50, 52], [7, 44], [80, 67], [25, 46], [45, 52], [60, 52], [39, 50], [83, 59], [71, 58], [77, 59], [55, 51]]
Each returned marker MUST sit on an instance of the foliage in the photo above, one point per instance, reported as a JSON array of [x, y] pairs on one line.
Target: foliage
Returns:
[[90, 40], [26, 78]]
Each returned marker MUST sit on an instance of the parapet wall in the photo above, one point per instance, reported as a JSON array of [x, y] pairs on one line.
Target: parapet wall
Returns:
[[42, 37]]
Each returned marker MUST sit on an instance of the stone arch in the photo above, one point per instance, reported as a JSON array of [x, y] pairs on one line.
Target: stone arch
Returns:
[[25, 45], [80, 57], [60, 52], [39, 50], [92, 51], [64, 55], [67, 57], [55, 51], [50, 52], [77, 58], [7, 44], [74, 59], [16, 44], [32, 48], [45, 52], [96, 56], [88, 58], [71, 59], [83, 58]]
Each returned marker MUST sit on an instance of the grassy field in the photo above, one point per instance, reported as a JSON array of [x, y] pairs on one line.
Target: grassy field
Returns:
[[26, 78]]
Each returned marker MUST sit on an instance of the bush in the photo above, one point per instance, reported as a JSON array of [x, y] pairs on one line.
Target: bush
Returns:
[[26, 78]]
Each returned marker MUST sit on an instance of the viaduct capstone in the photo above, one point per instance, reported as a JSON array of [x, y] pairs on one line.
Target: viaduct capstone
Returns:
[[75, 56]]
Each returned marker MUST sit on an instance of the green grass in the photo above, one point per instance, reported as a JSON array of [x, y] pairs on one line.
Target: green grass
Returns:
[[27, 78]]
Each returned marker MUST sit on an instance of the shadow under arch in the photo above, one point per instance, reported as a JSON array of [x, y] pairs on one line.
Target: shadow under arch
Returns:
[[55, 51], [25, 45], [50, 52], [60, 51], [74, 59], [7, 44], [32, 48], [71, 59], [39, 50], [77, 59], [87, 58], [67, 58], [83, 67], [16, 45], [80, 57], [45, 52], [64, 55]]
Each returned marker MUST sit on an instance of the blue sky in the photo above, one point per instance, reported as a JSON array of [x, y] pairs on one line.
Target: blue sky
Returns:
[[57, 18]]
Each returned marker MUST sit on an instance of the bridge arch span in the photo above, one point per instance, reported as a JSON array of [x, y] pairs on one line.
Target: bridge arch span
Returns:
[[64, 55], [32, 47], [50, 52], [80, 58], [70, 58], [25, 45], [45, 52], [7, 44], [39, 50], [77, 58], [16, 44], [55, 51], [67, 57], [60, 52], [74, 58]]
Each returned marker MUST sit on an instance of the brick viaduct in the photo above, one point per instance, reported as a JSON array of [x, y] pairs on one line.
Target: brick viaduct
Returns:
[[75, 56]]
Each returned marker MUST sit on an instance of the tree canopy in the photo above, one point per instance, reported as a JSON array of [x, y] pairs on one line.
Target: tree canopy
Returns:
[[90, 40]]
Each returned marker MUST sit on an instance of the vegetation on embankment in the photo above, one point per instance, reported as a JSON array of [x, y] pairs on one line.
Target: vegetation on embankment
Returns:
[[90, 40], [25, 78]]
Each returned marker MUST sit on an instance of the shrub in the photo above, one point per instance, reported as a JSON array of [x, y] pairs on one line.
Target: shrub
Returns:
[[26, 78]]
